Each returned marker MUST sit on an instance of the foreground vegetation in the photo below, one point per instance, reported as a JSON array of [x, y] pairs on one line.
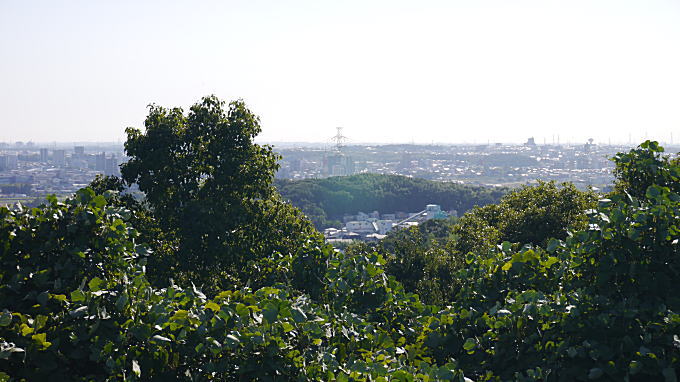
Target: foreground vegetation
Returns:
[[212, 277]]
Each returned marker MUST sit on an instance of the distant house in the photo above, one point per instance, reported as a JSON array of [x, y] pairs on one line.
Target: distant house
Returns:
[[360, 226]]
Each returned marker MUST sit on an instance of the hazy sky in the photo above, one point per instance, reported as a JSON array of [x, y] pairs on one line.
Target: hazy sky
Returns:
[[387, 71]]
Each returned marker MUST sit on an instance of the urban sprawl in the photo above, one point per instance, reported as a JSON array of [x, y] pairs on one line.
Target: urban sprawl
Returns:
[[29, 171]]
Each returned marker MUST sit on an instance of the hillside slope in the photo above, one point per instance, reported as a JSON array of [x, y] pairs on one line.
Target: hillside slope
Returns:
[[324, 201]]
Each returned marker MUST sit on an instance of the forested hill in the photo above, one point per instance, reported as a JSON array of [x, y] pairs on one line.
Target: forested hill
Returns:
[[324, 201]]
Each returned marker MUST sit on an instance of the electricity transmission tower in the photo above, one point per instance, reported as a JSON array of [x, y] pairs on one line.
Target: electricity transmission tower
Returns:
[[339, 139]]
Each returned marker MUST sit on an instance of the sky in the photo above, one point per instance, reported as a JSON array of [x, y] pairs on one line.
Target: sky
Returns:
[[388, 71]]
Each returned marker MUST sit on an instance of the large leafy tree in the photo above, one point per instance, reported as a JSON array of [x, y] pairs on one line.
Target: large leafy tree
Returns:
[[210, 189], [528, 215], [644, 166]]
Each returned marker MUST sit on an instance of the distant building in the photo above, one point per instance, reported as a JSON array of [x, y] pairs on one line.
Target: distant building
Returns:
[[59, 157], [384, 226], [12, 162], [100, 162], [434, 211], [9, 162], [44, 155], [79, 150], [338, 164], [360, 226], [112, 166], [530, 142]]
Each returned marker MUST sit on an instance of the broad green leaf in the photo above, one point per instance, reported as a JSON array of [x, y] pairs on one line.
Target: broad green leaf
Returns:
[[121, 302], [180, 315], [98, 201], [469, 344], [287, 327], [550, 261], [26, 330], [212, 306], [635, 367], [298, 315], [552, 245], [270, 312], [77, 296], [95, 284], [41, 339]]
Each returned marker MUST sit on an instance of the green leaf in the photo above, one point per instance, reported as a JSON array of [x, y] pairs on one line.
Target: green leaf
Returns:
[[634, 367], [77, 296], [26, 330], [507, 266], [98, 201], [181, 314], [652, 192], [469, 344], [552, 245], [121, 302], [550, 261], [298, 315], [287, 327], [41, 339], [212, 306], [95, 284], [270, 312], [4, 377]]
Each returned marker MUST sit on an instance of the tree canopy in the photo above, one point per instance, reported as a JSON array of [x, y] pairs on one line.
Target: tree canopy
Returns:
[[209, 188]]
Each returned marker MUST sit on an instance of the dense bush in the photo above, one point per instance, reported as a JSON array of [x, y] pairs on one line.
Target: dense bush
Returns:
[[424, 259], [528, 215], [78, 307]]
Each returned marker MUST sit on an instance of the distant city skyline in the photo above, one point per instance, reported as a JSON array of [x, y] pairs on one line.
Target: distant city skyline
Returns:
[[388, 71]]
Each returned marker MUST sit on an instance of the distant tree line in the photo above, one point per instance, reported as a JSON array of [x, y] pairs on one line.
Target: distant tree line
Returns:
[[325, 201]]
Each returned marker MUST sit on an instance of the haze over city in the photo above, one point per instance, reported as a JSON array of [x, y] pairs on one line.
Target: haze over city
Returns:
[[388, 71]]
